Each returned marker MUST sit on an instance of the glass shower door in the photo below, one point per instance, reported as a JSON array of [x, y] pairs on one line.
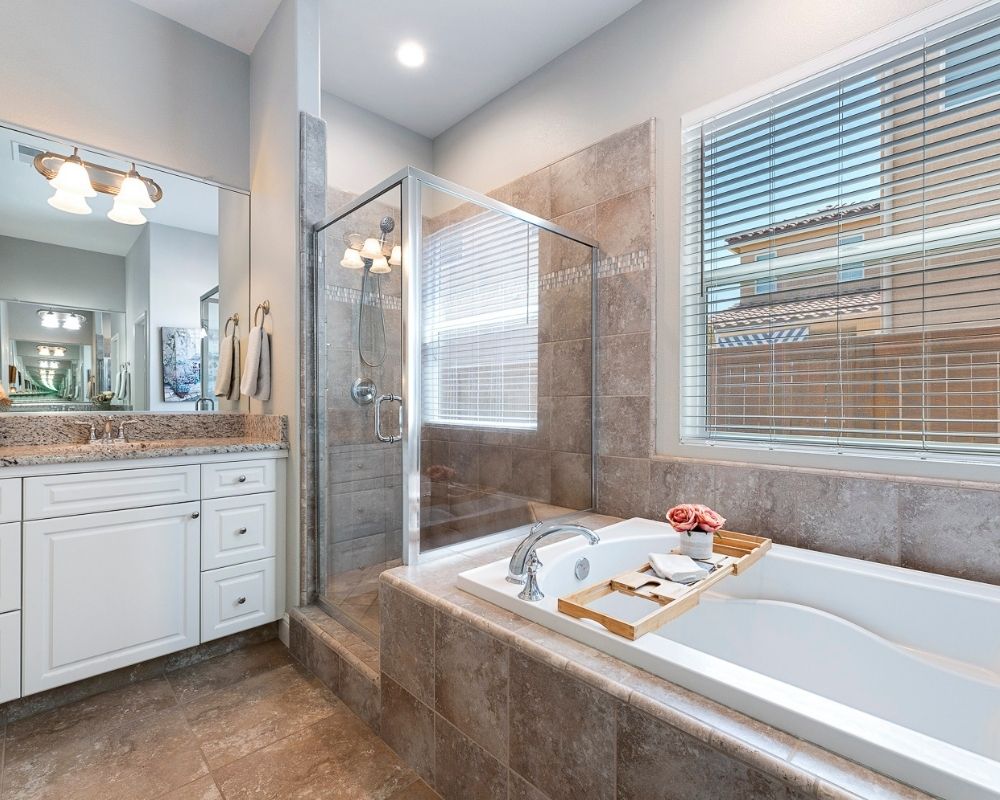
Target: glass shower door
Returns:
[[360, 390]]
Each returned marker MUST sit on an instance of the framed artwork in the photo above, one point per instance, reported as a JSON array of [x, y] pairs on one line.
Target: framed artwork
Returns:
[[181, 362]]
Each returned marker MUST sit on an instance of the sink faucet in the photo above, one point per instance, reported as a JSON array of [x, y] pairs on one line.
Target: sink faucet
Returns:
[[524, 564]]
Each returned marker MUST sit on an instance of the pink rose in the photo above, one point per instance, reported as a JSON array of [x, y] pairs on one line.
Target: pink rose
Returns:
[[708, 520], [683, 517]]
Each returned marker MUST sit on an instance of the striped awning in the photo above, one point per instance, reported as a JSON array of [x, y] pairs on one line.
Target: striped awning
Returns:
[[784, 336]]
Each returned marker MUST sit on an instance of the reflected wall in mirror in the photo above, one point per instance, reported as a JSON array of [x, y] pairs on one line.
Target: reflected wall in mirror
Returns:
[[89, 283]]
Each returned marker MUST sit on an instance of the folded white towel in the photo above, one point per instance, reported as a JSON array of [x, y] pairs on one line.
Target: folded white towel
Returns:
[[678, 568], [224, 374], [248, 386]]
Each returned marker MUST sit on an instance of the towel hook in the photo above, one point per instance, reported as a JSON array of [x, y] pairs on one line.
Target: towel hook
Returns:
[[235, 319], [265, 307]]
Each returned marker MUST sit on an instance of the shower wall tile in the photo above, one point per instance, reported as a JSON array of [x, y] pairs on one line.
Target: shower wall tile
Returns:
[[531, 473], [531, 193], [623, 304], [571, 480], [623, 364], [571, 368], [623, 423], [623, 486], [564, 312], [624, 223], [557, 253], [572, 424]]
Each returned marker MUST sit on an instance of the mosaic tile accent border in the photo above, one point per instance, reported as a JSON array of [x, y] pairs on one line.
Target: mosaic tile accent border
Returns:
[[343, 294], [637, 261]]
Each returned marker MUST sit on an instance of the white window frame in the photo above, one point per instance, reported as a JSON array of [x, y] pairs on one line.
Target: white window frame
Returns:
[[672, 440]]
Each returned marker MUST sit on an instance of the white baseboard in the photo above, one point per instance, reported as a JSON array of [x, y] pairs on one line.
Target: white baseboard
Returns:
[[283, 630]]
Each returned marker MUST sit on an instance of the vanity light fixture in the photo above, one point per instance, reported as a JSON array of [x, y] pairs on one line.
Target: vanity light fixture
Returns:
[[50, 319], [72, 322], [75, 180], [50, 350], [376, 254]]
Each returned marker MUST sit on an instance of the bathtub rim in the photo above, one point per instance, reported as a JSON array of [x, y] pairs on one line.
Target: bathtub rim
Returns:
[[709, 685]]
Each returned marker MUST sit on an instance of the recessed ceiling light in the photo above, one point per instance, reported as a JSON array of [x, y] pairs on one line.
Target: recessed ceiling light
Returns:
[[410, 54]]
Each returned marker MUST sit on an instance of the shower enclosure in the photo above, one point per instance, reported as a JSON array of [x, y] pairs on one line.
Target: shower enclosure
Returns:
[[456, 367]]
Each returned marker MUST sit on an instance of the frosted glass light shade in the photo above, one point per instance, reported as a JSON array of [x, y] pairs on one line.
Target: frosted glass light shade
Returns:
[[352, 259], [72, 322], [372, 249], [125, 214], [50, 319], [396, 257], [134, 192], [72, 178], [380, 266], [70, 203]]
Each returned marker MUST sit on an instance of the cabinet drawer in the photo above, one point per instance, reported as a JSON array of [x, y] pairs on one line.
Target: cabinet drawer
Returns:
[[10, 656], [108, 590], [10, 566], [87, 493], [236, 478], [236, 598], [235, 530], [10, 500]]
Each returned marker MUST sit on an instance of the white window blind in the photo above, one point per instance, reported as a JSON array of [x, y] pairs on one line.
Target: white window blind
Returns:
[[841, 254], [480, 335]]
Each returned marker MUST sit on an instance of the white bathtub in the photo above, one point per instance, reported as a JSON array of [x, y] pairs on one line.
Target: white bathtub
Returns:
[[896, 669]]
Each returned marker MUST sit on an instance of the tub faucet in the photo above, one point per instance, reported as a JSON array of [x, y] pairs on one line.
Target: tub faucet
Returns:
[[524, 564]]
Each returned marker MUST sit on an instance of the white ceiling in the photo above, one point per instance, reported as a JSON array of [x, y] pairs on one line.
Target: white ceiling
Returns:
[[476, 49], [237, 23], [25, 214]]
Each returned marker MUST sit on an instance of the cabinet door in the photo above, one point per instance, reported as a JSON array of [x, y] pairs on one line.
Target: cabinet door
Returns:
[[107, 590], [10, 566], [10, 656], [10, 500]]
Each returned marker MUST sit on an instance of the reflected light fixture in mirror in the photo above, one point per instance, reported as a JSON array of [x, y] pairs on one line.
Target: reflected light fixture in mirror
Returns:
[[50, 319]]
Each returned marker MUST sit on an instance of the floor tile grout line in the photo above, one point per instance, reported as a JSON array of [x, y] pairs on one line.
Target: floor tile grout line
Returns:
[[190, 730]]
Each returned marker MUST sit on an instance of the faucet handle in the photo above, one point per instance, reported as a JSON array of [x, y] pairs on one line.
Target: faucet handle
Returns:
[[93, 429], [121, 428]]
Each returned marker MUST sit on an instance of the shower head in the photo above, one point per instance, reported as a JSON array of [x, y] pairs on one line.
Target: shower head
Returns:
[[387, 225]]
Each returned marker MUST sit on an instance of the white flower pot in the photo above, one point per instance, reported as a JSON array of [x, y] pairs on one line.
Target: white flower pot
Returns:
[[697, 544]]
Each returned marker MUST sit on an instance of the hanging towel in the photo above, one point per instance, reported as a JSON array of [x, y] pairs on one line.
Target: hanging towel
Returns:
[[118, 386], [225, 378], [126, 387], [264, 372], [248, 386], [256, 381]]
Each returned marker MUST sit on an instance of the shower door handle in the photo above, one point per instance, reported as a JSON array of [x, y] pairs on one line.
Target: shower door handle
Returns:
[[387, 398]]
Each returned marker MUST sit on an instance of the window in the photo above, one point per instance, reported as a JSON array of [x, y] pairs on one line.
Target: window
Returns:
[[480, 333], [859, 213]]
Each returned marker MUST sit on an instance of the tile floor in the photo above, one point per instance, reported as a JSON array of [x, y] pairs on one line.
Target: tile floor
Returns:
[[250, 724]]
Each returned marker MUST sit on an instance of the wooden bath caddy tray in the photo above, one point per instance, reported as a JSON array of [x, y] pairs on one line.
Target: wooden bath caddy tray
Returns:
[[674, 599]]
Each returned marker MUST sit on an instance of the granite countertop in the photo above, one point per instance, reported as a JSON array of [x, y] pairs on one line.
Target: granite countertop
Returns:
[[811, 770], [41, 454]]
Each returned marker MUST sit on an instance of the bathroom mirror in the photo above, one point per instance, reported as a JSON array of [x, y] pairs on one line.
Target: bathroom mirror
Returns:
[[115, 294]]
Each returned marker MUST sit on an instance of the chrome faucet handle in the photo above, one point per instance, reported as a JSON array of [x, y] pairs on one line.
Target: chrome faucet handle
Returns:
[[106, 436], [531, 592], [121, 428], [93, 430]]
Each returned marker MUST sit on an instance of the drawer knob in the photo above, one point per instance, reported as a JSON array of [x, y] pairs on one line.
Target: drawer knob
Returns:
[[195, 514], [240, 601], [241, 531], [243, 479]]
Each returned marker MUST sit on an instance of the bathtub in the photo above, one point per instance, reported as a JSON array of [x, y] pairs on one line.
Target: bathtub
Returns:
[[896, 669]]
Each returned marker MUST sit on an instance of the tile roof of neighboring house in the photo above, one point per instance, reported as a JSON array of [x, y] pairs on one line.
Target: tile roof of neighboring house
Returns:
[[833, 213], [796, 311]]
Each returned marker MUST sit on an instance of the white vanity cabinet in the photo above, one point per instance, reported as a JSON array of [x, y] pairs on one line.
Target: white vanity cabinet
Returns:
[[106, 567]]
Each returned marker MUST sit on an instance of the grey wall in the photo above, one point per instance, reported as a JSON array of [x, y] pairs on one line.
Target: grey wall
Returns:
[[116, 76], [47, 273], [364, 148]]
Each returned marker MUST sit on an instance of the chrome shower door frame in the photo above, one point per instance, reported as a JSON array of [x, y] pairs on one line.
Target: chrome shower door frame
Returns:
[[412, 181]]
